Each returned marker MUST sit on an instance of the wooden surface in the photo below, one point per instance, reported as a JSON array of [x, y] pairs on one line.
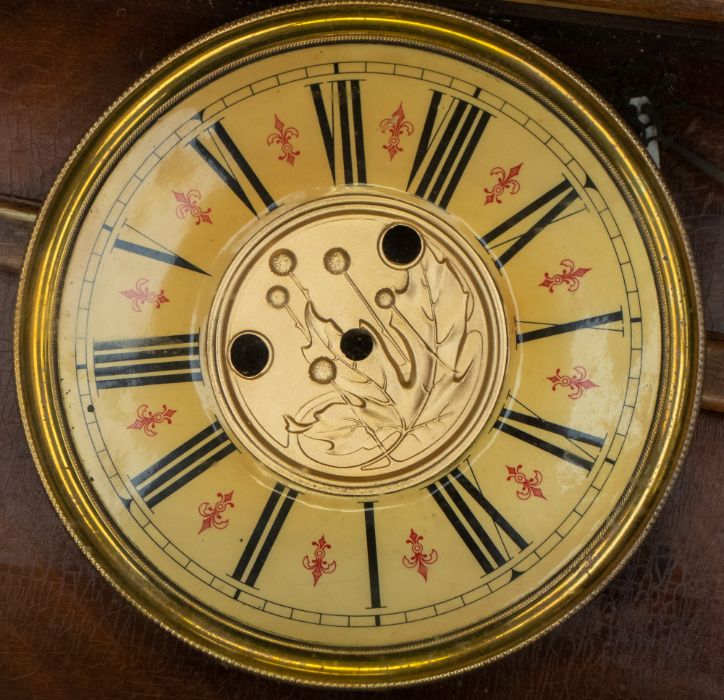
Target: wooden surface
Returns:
[[674, 10], [657, 631]]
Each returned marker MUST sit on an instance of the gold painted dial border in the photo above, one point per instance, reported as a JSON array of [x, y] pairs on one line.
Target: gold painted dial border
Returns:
[[37, 377]]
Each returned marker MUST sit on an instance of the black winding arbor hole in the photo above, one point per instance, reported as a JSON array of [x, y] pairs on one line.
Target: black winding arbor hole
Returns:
[[401, 244], [249, 354], [356, 344]]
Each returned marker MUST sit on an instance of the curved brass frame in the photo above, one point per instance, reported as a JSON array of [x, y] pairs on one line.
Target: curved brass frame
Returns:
[[62, 473]]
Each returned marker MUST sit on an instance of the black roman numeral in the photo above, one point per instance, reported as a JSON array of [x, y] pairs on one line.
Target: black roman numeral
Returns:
[[450, 134], [487, 546], [139, 244], [264, 535], [341, 128], [372, 564], [546, 433], [230, 165], [562, 195], [602, 322], [167, 359], [183, 464]]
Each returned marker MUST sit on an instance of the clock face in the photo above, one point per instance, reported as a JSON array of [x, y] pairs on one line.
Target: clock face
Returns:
[[358, 346]]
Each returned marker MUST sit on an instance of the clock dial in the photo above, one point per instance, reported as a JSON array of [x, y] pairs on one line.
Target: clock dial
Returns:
[[359, 345]]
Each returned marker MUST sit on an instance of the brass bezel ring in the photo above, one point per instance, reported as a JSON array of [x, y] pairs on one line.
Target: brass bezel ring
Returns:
[[476, 42]]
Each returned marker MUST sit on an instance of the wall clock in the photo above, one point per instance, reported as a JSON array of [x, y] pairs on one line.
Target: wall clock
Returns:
[[363, 344]]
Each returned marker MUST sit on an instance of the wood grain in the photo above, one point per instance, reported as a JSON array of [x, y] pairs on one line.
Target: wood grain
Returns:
[[657, 631], [713, 385], [671, 10]]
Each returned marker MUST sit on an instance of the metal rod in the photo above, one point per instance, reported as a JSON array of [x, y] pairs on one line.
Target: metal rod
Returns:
[[17, 218]]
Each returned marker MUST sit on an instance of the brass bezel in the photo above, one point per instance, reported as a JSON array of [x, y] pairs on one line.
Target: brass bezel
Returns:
[[60, 468]]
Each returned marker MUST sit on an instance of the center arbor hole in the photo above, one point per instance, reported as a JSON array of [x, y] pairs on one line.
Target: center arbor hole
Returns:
[[401, 245], [250, 354], [356, 344]]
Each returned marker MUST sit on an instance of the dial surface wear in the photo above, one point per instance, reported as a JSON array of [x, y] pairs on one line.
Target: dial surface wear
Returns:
[[359, 346]]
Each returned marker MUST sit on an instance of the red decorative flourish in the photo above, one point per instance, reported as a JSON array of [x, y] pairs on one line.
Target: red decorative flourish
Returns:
[[529, 486], [211, 514], [142, 295], [189, 204], [283, 136], [397, 125], [419, 559], [504, 182], [148, 420], [578, 382], [319, 565], [570, 274]]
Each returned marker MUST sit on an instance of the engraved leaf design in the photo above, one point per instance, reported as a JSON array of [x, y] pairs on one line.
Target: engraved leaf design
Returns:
[[346, 431], [388, 411], [326, 336], [445, 305], [442, 307], [361, 415]]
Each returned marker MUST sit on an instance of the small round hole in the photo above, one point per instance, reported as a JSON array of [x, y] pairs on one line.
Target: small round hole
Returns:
[[356, 344], [401, 245], [250, 354]]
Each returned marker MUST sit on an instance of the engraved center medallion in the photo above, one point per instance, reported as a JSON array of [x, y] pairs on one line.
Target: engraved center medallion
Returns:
[[374, 344]]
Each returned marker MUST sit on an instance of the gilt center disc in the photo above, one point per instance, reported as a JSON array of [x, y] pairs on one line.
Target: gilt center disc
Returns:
[[381, 342]]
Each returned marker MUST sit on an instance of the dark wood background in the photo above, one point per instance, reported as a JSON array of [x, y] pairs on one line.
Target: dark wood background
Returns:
[[657, 631]]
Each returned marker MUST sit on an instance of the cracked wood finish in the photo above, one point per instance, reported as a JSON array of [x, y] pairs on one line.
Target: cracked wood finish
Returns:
[[655, 631]]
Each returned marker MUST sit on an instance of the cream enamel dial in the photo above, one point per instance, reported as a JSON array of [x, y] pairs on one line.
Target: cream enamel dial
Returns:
[[358, 348]]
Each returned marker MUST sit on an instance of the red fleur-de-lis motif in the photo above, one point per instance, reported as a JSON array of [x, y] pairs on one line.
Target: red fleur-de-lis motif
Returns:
[[419, 560], [211, 513], [147, 420], [283, 136], [569, 274], [319, 565], [577, 382], [396, 125], [141, 294], [529, 487], [505, 182], [189, 204]]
